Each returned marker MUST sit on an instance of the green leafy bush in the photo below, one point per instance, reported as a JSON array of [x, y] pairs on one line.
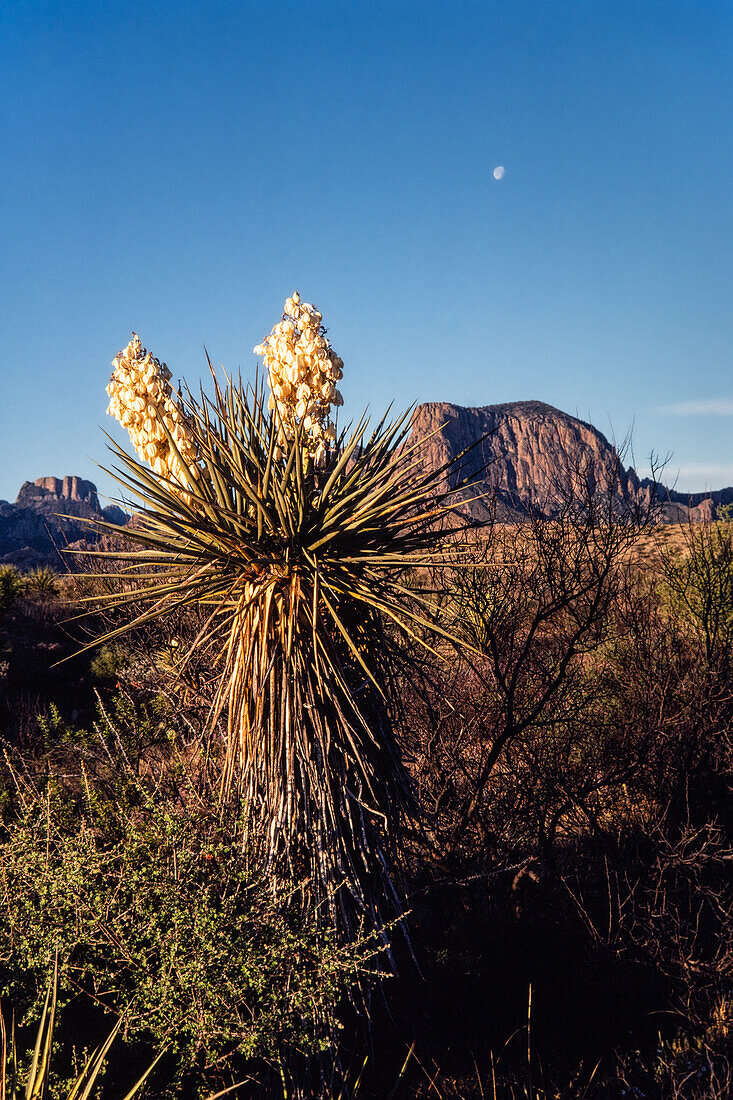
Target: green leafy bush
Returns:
[[699, 583], [12, 586], [107, 663], [156, 913]]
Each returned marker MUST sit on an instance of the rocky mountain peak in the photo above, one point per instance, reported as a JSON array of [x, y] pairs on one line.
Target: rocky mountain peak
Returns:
[[49, 514], [55, 489], [529, 452]]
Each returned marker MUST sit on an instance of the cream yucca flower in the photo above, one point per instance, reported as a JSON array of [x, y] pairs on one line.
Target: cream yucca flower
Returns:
[[141, 398], [302, 369]]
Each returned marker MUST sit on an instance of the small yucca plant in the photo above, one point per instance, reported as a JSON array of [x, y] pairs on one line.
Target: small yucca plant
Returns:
[[299, 543], [43, 580]]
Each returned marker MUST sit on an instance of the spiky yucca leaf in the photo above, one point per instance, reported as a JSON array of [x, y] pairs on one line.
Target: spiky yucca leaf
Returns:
[[303, 572]]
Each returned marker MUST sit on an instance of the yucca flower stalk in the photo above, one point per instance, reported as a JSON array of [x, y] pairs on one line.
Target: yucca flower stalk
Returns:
[[300, 552], [302, 370], [141, 398]]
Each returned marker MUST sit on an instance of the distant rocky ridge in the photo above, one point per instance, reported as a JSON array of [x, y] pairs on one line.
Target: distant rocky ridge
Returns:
[[48, 516], [530, 451]]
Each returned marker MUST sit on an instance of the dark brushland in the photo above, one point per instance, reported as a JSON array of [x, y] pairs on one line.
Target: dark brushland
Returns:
[[570, 867]]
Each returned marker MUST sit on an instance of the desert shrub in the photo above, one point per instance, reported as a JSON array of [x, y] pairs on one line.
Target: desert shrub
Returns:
[[156, 913], [698, 577], [12, 586], [515, 720], [107, 663], [597, 857], [131, 737], [682, 1067]]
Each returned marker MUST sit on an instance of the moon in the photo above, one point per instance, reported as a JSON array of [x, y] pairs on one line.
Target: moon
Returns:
[[499, 172]]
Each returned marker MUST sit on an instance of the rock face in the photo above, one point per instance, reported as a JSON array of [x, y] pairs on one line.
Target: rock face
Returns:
[[46, 517], [68, 489], [526, 455]]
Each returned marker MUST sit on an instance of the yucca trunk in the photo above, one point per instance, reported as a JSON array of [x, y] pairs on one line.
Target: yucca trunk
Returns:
[[311, 750]]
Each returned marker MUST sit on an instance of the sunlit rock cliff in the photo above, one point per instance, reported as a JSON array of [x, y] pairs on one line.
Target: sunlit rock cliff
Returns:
[[526, 455]]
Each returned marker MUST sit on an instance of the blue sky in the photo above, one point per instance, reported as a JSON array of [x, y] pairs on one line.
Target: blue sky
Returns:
[[179, 168]]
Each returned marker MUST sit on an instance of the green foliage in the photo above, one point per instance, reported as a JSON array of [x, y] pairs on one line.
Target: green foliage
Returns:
[[135, 725], [699, 583], [105, 663], [12, 586], [156, 913]]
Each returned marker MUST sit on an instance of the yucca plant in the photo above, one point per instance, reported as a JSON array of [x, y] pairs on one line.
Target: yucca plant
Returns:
[[43, 580], [301, 545]]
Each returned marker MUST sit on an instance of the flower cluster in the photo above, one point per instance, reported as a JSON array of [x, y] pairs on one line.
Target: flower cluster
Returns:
[[303, 370], [141, 398]]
